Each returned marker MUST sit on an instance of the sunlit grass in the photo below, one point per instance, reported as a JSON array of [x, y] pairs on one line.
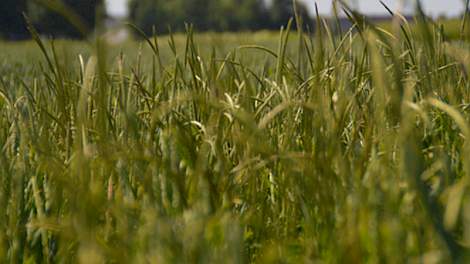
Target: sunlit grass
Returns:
[[237, 147]]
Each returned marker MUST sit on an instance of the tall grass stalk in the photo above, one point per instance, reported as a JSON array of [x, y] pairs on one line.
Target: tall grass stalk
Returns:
[[336, 146]]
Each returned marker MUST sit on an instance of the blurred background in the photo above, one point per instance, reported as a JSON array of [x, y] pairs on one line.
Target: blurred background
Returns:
[[119, 8], [51, 17]]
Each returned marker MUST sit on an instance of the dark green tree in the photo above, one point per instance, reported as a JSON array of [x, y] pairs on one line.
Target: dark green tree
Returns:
[[222, 17], [234, 15], [161, 14], [250, 14], [197, 13], [53, 23], [217, 15], [283, 10], [12, 24]]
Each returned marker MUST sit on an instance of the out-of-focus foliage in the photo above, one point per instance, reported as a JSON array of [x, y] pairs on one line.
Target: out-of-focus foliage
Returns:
[[12, 25], [213, 15], [48, 17], [54, 23], [231, 148]]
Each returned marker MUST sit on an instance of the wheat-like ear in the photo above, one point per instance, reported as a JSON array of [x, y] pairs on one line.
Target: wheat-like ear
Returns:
[[336, 146]]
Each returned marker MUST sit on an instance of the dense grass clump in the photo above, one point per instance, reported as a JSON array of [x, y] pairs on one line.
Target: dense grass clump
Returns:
[[346, 147]]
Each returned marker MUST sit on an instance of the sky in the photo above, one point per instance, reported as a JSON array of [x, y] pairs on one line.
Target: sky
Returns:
[[432, 7]]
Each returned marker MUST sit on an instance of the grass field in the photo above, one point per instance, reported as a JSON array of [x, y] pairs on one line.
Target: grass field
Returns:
[[232, 148]]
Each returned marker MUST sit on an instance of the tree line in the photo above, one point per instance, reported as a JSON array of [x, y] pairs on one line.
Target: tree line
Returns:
[[204, 15], [46, 17], [214, 15]]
